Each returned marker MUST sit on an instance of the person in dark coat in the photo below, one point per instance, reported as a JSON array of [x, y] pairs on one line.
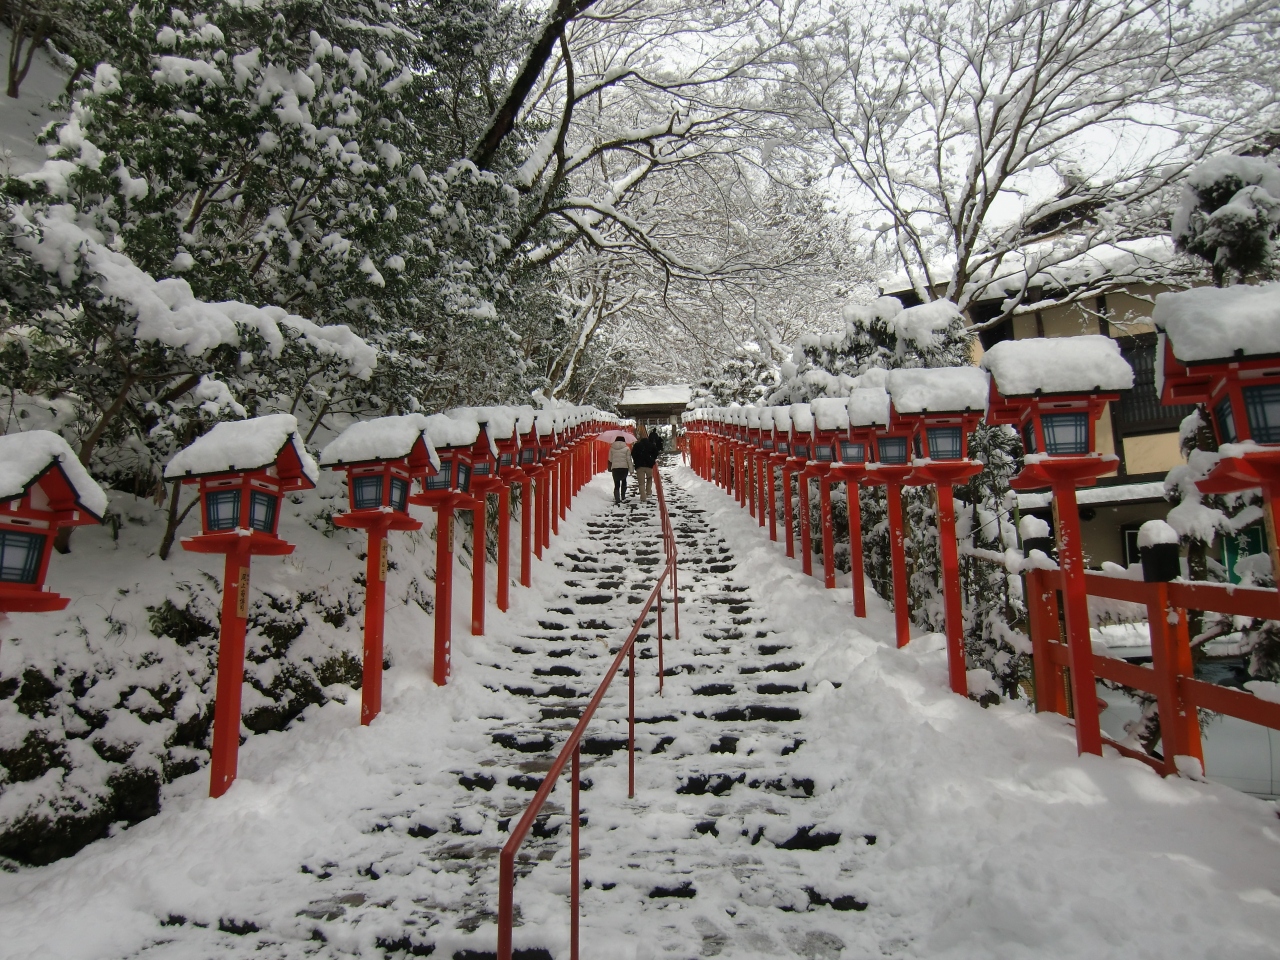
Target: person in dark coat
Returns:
[[645, 455]]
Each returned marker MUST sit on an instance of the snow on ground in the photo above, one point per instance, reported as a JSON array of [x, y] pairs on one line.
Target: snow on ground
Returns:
[[965, 832], [22, 120]]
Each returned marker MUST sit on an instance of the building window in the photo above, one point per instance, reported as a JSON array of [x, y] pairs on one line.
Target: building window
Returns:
[[1140, 410], [223, 509], [1225, 418], [944, 443], [262, 512], [892, 449], [399, 493], [20, 555], [852, 452], [1065, 433], [1129, 543], [1262, 405], [367, 492], [442, 480]]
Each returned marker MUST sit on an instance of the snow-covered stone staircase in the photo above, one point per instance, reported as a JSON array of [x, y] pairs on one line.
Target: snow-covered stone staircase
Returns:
[[723, 850]]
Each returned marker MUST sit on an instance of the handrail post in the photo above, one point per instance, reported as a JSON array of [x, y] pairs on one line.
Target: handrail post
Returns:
[[660, 579], [631, 723], [574, 865]]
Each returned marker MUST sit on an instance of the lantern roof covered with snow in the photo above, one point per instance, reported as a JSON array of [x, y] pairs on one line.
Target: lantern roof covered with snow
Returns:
[[1054, 390], [1221, 347], [42, 460], [942, 406], [801, 415], [268, 443], [43, 486], [453, 439], [382, 457], [243, 468]]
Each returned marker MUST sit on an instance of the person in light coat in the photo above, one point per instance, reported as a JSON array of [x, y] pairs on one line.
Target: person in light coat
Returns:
[[620, 465]]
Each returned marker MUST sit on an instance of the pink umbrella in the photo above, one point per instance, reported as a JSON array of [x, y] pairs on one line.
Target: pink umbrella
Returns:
[[608, 436]]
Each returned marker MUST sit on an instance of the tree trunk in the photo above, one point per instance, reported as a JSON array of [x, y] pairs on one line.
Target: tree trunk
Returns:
[[174, 520], [62, 540]]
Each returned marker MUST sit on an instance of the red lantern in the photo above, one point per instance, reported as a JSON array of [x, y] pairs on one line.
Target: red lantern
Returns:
[[43, 487], [942, 407], [1053, 391], [830, 426], [242, 469], [1221, 348], [868, 410], [381, 458]]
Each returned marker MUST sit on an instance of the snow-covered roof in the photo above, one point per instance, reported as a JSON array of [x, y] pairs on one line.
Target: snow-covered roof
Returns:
[[1208, 323], [1118, 493], [831, 413], [446, 431], [242, 445], [666, 395], [383, 438], [25, 457], [868, 406], [500, 422], [802, 417], [782, 419], [1057, 365], [939, 390]]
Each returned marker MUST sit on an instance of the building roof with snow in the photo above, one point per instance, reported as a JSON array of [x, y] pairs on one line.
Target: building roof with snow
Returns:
[[939, 390], [242, 445], [1085, 364], [27, 457], [664, 395], [1210, 323]]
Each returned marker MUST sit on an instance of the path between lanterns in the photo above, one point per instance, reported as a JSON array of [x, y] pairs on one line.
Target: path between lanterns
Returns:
[[803, 789]]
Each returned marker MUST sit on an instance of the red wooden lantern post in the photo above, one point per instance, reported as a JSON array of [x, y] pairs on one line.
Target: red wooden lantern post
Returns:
[[1054, 391], [759, 425], [529, 470], [446, 490], [484, 481], [830, 426], [741, 449], [43, 487], [867, 408], [943, 407], [890, 466], [381, 459], [243, 469], [508, 430], [778, 450]]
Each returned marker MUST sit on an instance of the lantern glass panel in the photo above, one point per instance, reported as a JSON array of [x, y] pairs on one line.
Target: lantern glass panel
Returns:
[[223, 509], [480, 469], [892, 449], [1262, 405], [852, 452], [783, 447], [20, 555], [262, 511], [464, 477], [443, 479], [1029, 437], [944, 443], [529, 455], [824, 452], [506, 460], [1065, 433], [801, 451], [399, 494], [1225, 418], [767, 443], [366, 492]]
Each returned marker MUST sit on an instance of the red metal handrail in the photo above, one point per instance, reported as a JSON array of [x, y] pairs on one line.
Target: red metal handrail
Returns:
[[571, 751]]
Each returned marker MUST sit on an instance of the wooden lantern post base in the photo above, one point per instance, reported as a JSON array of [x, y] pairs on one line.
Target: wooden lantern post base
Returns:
[[1064, 475], [239, 547], [945, 474], [377, 523], [853, 474], [894, 477]]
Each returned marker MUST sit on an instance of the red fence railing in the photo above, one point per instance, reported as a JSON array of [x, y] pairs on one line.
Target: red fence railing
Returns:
[[1169, 677], [570, 753]]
